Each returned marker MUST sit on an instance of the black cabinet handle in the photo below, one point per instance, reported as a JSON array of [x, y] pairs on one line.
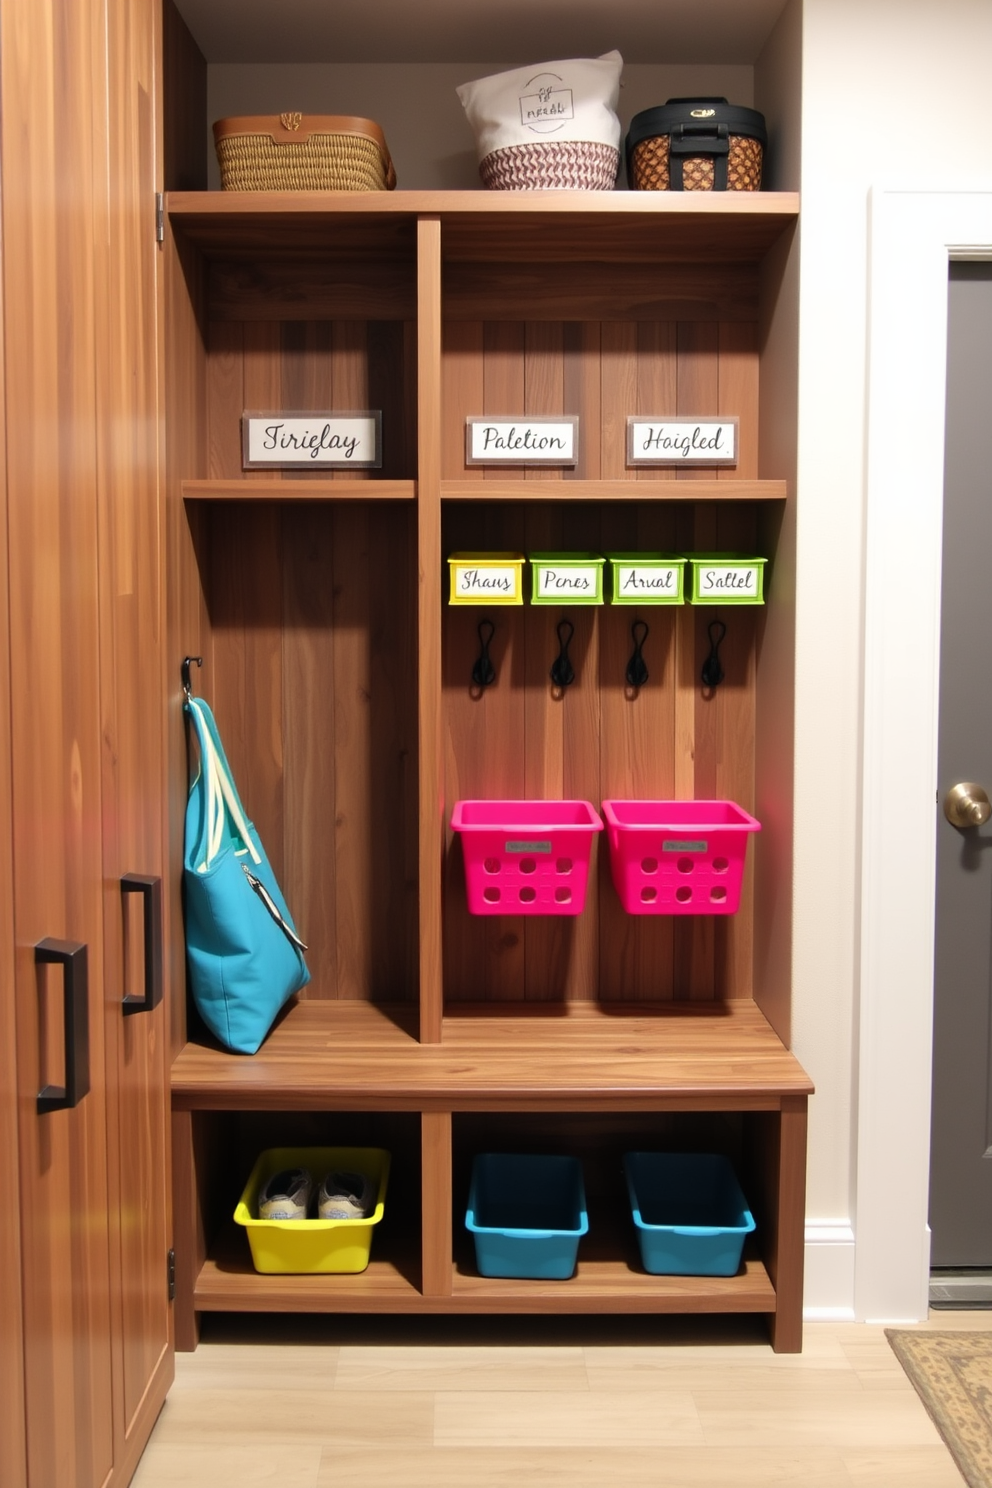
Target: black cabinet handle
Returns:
[[150, 889], [71, 956]]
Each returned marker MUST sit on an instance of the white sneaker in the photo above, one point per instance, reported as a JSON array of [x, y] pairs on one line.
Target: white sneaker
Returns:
[[345, 1196], [286, 1195]]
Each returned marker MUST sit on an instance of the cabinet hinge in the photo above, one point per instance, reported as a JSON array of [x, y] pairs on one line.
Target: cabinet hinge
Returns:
[[159, 217], [170, 1271]]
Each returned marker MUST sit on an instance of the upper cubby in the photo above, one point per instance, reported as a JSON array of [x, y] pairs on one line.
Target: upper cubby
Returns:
[[404, 70]]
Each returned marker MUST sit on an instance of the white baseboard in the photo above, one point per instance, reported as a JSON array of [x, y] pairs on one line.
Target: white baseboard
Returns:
[[828, 1294]]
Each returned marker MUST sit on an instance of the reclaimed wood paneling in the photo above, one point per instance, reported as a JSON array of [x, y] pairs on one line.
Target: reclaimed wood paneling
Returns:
[[601, 739], [314, 688]]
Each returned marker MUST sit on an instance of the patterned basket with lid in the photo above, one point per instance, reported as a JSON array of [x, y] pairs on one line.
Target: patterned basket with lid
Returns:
[[302, 152], [696, 144]]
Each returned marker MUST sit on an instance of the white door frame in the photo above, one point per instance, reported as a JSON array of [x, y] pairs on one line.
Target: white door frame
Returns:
[[913, 236]]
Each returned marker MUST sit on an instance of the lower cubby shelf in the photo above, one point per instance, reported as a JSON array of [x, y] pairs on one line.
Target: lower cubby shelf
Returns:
[[602, 1283], [587, 1081]]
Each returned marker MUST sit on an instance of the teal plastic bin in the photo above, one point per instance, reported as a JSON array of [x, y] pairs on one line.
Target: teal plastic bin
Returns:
[[526, 1214], [689, 1211]]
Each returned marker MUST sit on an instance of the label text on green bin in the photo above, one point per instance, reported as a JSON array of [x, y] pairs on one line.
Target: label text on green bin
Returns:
[[527, 847], [683, 846]]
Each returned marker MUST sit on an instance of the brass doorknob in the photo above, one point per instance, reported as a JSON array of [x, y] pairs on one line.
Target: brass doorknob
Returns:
[[967, 805]]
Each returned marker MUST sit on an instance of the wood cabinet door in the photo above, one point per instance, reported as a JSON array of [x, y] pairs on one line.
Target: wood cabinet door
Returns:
[[51, 54], [77, 151], [132, 692], [11, 1333]]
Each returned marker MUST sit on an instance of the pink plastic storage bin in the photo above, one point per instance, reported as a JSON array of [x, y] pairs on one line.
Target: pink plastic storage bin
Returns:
[[678, 857], [526, 857]]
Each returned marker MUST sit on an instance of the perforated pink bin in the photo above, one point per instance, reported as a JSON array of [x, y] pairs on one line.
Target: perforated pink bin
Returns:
[[526, 857], [678, 857]]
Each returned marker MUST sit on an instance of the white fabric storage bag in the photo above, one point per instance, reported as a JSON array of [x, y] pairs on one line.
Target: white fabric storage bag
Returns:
[[567, 101]]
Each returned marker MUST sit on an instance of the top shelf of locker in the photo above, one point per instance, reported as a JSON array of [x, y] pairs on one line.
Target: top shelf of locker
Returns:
[[548, 226]]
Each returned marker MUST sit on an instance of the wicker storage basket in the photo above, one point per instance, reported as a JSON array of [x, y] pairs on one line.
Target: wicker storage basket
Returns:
[[297, 152], [546, 127], [577, 165], [696, 144]]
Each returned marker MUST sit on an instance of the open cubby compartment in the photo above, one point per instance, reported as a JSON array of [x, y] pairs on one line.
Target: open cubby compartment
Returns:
[[609, 1258], [223, 1147], [318, 316], [310, 667], [599, 1143], [601, 328], [298, 588]]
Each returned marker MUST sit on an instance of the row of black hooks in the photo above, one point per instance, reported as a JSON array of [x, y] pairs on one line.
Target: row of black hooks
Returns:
[[562, 671]]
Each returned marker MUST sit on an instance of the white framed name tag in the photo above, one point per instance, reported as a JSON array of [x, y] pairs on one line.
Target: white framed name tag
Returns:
[[681, 441], [311, 441], [550, 440]]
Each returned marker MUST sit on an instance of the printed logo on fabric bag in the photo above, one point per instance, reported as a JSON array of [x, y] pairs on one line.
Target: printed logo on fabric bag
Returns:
[[545, 106]]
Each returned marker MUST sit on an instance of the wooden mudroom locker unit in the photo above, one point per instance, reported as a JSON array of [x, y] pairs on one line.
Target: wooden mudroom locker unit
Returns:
[[340, 678]]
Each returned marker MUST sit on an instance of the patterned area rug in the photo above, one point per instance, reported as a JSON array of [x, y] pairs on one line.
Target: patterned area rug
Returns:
[[952, 1373]]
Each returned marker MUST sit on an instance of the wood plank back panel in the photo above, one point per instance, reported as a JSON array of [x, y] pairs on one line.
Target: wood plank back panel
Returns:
[[314, 689], [671, 738], [602, 371], [578, 291], [299, 365]]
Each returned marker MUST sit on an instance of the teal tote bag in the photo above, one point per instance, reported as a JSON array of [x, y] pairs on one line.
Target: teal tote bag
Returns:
[[244, 956]]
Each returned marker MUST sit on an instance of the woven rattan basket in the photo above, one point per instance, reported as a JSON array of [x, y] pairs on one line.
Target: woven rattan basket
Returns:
[[578, 165], [302, 152], [650, 171], [691, 144]]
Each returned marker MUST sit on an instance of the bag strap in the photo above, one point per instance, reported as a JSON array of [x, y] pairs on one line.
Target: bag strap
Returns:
[[223, 804], [699, 140]]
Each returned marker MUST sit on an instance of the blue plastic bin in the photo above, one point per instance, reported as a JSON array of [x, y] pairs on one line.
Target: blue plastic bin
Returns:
[[690, 1213], [526, 1214]]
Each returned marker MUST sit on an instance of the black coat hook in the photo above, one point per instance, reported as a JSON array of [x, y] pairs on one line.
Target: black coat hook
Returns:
[[637, 671], [483, 671], [562, 670], [187, 684], [712, 672]]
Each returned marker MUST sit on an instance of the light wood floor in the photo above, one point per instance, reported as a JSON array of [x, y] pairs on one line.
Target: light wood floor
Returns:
[[557, 1403]]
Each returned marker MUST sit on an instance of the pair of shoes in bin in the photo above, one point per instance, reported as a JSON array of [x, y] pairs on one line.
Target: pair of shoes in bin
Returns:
[[342, 1195]]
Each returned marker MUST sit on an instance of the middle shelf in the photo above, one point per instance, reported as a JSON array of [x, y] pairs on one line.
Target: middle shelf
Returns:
[[241, 488], [348, 1055]]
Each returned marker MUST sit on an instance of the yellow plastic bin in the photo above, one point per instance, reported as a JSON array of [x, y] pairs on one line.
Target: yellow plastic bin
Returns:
[[308, 1247]]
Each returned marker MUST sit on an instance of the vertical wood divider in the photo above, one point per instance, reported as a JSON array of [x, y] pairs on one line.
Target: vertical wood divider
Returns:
[[430, 757], [787, 1270], [189, 1240], [436, 1254]]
